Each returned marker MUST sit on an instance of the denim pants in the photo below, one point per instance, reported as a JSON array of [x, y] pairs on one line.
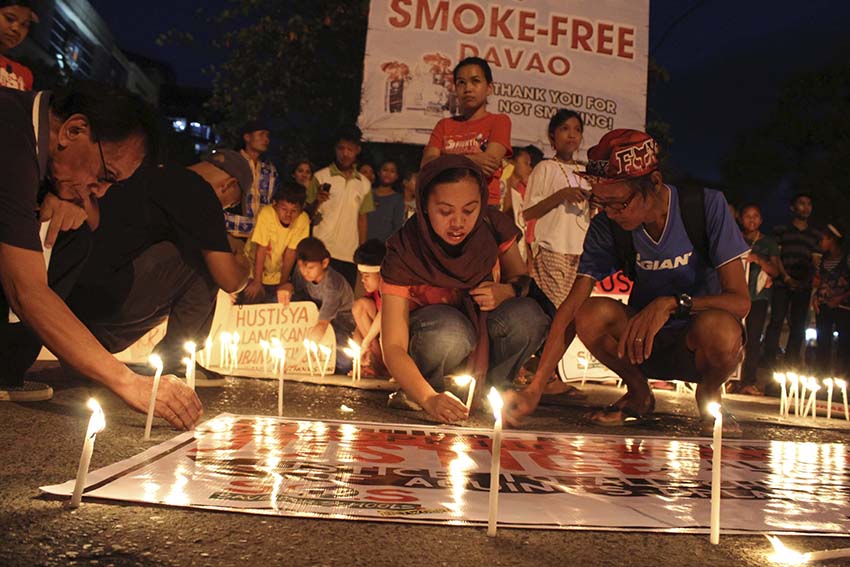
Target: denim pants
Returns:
[[442, 337], [829, 320], [795, 304]]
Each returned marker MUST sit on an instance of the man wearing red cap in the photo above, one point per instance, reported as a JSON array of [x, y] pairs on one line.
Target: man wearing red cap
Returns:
[[683, 320]]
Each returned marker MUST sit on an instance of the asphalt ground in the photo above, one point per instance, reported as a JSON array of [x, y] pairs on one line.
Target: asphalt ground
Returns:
[[41, 445]]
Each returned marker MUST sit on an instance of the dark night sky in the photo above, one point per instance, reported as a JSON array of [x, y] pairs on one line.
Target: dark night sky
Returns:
[[727, 58]]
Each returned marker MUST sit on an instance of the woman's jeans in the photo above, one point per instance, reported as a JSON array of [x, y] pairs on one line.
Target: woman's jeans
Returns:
[[442, 337]]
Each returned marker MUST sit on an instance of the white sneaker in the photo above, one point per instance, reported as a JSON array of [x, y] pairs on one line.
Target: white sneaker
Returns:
[[28, 392]]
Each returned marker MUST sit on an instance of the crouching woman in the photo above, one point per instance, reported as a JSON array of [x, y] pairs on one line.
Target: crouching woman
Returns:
[[455, 293]]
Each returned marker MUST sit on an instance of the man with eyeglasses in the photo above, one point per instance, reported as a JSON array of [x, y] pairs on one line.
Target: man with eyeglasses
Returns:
[[82, 139], [683, 320]]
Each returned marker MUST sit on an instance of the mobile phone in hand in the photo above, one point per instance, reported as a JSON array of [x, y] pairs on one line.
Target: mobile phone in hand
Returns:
[[326, 187]]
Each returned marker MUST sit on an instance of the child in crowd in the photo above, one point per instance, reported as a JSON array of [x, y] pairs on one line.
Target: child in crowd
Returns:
[[367, 171], [831, 303], [455, 291], [315, 280], [367, 309], [409, 185], [271, 249], [302, 173], [483, 137], [557, 198], [514, 181], [388, 215], [763, 262], [16, 17]]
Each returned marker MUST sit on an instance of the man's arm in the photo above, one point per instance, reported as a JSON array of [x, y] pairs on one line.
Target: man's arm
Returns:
[[287, 265], [561, 334], [229, 270], [429, 154], [24, 281]]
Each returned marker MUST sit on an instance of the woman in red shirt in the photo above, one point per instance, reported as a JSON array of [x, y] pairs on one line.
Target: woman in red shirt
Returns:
[[454, 292]]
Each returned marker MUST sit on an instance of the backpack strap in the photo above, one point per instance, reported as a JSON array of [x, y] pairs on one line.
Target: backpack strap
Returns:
[[692, 209]]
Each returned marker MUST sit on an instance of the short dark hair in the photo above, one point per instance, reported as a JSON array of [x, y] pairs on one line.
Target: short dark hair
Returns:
[[533, 152], [290, 192], [749, 205], [114, 114], [798, 196], [370, 253], [311, 249], [298, 163], [642, 184], [561, 116], [348, 133], [485, 67]]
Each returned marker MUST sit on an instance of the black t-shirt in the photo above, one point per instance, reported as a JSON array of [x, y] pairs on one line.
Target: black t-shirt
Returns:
[[156, 204], [20, 176]]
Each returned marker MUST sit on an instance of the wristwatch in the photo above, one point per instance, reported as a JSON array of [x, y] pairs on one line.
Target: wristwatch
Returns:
[[684, 304]]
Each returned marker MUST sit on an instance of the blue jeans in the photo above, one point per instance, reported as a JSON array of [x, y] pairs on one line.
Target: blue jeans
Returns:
[[441, 338]]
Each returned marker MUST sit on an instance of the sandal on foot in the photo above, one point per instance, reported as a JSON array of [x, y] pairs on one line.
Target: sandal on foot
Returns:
[[566, 394], [621, 413], [731, 427], [749, 390]]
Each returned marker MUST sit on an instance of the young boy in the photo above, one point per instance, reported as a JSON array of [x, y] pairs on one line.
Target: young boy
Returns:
[[315, 280], [367, 309], [279, 228], [831, 302]]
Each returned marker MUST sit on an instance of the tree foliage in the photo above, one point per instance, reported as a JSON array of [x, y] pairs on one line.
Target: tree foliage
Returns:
[[805, 141]]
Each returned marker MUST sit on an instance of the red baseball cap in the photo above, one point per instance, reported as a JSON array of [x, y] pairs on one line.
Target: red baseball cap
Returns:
[[621, 154]]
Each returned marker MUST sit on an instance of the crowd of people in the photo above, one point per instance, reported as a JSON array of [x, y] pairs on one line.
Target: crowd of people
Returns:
[[482, 259]]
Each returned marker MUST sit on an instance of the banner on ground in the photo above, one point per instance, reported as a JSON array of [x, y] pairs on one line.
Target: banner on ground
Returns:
[[587, 55], [441, 475]]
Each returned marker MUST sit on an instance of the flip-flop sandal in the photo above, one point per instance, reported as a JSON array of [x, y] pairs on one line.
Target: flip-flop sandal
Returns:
[[731, 427], [628, 415], [566, 397]]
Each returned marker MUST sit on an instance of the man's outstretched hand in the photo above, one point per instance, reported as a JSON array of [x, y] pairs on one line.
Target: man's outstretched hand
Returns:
[[176, 402], [519, 403]]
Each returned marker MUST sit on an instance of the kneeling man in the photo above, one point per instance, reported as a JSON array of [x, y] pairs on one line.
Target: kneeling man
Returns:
[[683, 320]]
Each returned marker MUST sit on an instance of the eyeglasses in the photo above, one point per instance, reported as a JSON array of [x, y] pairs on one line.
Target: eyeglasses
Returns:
[[107, 177], [614, 206]]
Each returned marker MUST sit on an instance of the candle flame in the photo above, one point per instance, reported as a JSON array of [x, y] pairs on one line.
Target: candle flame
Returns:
[[353, 344], [582, 361], [276, 341], [348, 352], [314, 348], [782, 554], [190, 347], [225, 337], [827, 382], [185, 360], [155, 361], [714, 409], [325, 350], [840, 383], [236, 337], [496, 403], [779, 377], [264, 344], [208, 342], [463, 379], [98, 420]]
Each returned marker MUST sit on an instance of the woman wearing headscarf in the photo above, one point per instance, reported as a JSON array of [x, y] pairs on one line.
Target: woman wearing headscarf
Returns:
[[455, 292]]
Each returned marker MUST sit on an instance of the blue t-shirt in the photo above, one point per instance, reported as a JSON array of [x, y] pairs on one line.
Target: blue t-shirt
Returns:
[[670, 266]]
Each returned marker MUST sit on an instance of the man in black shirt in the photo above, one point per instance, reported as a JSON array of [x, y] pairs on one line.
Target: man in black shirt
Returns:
[[162, 251], [84, 139], [793, 288]]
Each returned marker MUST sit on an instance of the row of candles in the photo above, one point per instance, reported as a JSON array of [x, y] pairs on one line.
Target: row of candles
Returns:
[[795, 389]]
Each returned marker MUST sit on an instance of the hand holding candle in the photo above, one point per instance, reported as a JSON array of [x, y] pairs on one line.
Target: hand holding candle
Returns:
[[464, 380], [717, 442], [327, 352], [355, 359], [190, 368], [97, 422], [156, 362], [495, 462]]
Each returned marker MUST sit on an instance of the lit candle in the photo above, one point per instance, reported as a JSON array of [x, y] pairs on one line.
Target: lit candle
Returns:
[[156, 362], [463, 380], [801, 408], [828, 383], [355, 370], [314, 352], [784, 555], [97, 422], [190, 369], [842, 385], [350, 352], [234, 353], [264, 344], [813, 387], [187, 362], [208, 351], [584, 363], [794, 392], [783, 395], [307, 352], [327, 352], [495, 461], [281, 367], [224, 349], [714, 409]]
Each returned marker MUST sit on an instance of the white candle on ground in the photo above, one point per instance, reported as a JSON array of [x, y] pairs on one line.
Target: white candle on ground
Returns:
[[794, 392], [584, 363], [224, 349], [813, 387], [828, 383], [190, 373], [264, 344], [355, 367], [327, 352], [156, 362], [842, 385], [187, 362], [717, 442], [784, 555], [97, 422], [314, 352], [208, 351], [466, 380], [307, 352], [495, 461], [234, 353], [281, 367], [783, 395]]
